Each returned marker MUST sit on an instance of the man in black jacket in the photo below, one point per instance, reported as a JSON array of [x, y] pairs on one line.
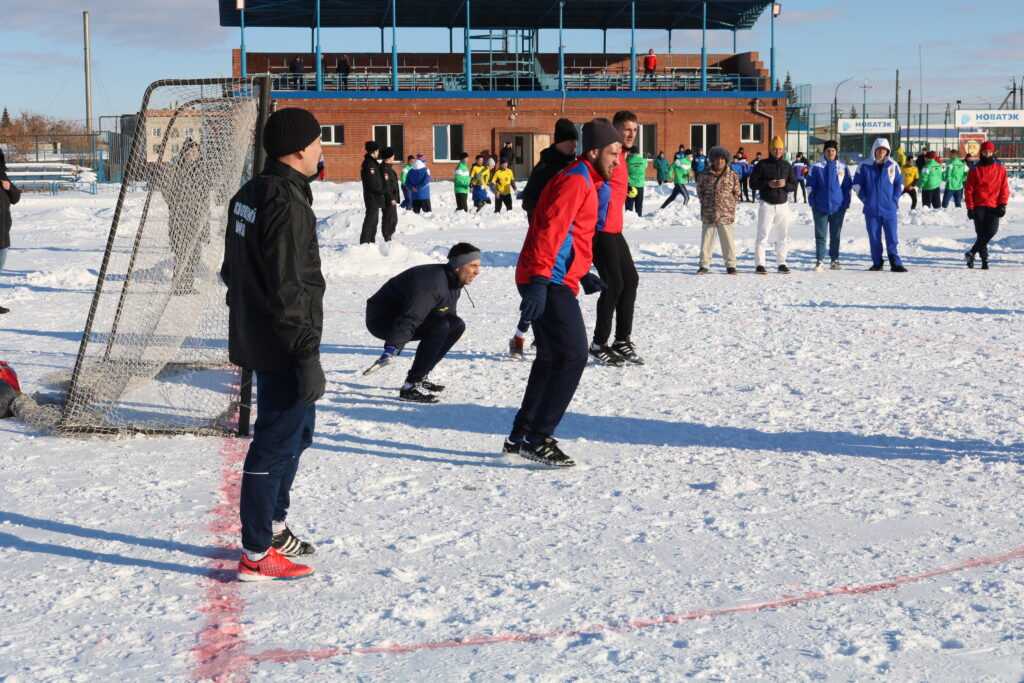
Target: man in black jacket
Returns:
[[373, 192], [420, 304], [773, 180], [392, 196], [275, 295], [552, 160], [9, 195]]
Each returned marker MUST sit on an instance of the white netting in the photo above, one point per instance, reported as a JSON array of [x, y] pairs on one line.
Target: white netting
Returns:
[[155, 357]]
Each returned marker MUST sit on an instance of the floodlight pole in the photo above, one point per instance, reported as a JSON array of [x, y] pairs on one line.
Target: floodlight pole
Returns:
[[394, 46], [241, 23], [319, 53], [561, 45], [469, 55], [632, 45], [776, 11], [704, 47]]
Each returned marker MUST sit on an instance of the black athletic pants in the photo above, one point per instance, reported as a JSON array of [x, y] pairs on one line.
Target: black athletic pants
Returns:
[[419, 205], [932, 198], [986, 225], [912, 191], [636, 203], [745, 188], [678, 191], [615, 266], [461, 202], [436, 335], [389, 221], [561, 357], [284, 429], [368, 235], [501, 200]]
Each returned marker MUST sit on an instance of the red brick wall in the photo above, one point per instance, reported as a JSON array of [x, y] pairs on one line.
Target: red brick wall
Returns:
[[484, 119]]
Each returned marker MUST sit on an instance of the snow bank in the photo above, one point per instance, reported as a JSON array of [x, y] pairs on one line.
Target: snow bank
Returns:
[[371, 260]]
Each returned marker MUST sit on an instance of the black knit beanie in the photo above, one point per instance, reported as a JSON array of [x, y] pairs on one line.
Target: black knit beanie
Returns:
[[565, 130], [598, 134], [289, 130]]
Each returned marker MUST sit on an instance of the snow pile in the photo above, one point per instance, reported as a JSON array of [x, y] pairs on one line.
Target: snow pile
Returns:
[[64, 278], [371, 260]]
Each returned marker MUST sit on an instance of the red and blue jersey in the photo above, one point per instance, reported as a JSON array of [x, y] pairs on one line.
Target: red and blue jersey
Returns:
[[559, 244], [612, 199]]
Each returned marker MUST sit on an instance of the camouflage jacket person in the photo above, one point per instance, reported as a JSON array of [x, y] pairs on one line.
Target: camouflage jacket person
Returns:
[[718, 195]]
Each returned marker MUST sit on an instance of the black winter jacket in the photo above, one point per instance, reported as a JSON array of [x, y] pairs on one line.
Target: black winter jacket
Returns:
[[272, 270], [7, 198], [773, 169], [398, 308], [392, 193], [373, 182], [551, 163]]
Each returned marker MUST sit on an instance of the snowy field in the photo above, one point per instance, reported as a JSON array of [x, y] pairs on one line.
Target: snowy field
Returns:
[[815, 477]]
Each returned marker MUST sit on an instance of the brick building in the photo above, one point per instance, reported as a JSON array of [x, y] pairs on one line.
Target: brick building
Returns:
[[441, 104]]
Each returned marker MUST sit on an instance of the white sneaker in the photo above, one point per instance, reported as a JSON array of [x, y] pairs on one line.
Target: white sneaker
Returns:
[[819, 267]]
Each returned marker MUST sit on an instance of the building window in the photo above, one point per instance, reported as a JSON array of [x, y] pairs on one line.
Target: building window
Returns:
[[703, 136], [447, 142], [390, 135], [332, 135], [157, 132], [750, 132], [647, 140]]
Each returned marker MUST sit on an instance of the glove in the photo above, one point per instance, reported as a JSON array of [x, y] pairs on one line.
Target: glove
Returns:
[[970, 214], [633, 192], [312, 382], [592, 283], [535, 298], [1000, 210]]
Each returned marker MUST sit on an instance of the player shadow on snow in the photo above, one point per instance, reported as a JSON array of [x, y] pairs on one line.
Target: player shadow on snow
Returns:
[[975, 310], [206, 552], [408, 352], [637, 431]]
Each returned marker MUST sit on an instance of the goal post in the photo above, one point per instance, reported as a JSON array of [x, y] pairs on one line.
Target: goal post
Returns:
[[154, 352]]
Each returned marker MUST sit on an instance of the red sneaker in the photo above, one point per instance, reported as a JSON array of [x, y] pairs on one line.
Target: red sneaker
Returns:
[[273, 567]]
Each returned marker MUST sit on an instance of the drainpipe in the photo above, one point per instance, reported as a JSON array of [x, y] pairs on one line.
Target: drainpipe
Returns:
[[756, 108]]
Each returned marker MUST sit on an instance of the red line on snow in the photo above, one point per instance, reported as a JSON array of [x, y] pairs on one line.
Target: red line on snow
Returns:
[[220, 651], [282, 656]]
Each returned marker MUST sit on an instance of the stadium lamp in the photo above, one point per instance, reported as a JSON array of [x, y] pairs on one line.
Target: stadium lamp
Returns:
[[776, 8], [239, 4]]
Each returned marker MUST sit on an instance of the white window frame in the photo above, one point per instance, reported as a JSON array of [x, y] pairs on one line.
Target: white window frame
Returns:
[[332, 129], [750, 138], [448, 133], [389, 126], [640, 139]]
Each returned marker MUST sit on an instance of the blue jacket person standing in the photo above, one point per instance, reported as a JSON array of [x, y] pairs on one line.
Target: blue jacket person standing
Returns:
[[879, 185], [275, 296], [830, 185]]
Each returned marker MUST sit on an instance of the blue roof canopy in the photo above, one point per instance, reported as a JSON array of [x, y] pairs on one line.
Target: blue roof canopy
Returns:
[[521, 14]]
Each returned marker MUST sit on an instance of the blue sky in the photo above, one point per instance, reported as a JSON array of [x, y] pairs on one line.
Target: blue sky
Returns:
[[970, 49]]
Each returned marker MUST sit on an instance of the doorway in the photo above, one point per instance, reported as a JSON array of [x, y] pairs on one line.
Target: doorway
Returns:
[[522, 152]]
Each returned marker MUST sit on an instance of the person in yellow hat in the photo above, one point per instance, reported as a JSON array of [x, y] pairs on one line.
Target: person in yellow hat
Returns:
[[773, 180]]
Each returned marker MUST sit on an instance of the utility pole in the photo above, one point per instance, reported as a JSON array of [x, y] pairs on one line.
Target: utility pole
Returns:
[[910, 97], [88, 72], [863, 120], [899, 138]]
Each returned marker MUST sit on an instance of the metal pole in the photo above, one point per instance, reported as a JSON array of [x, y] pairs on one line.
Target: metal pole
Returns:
[[670, 41], [632, 45], [244, 57], [772, 68], [469, 55], [896, 116], [863, 125], [704, 47], [734, 41], [910, 96], [394, 46], [319, 52], [945, 126], [561, 45], [604, 41], [88, 72], [925, 123]]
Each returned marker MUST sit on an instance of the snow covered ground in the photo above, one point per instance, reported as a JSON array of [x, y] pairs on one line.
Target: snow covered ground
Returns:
[[836, 445]]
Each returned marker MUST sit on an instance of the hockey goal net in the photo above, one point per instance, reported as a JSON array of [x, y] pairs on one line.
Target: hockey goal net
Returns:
[[154, 351]]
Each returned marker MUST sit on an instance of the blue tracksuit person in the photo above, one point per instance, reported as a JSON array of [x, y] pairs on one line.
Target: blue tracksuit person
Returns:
[[879, 185], [830, 185]]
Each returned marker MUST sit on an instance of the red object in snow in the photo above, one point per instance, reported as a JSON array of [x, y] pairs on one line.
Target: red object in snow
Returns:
[[9, 376]]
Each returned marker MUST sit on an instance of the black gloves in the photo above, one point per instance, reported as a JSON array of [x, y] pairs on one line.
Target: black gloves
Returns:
[[592, 283], [970, 214], [312, 382], [535, 298], [1000, 210]]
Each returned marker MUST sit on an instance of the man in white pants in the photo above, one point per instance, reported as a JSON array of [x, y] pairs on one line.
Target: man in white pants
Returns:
[[773, 181]]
